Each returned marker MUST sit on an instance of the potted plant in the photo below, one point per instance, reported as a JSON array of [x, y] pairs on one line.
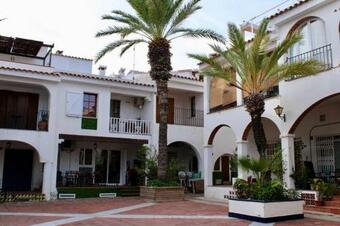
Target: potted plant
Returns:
[[325, 191], [43, 123], [264, 199], [157, 189]]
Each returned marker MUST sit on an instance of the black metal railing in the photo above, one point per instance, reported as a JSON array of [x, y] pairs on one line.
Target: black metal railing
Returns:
[[322, 54], [188, 117], [272, 92]]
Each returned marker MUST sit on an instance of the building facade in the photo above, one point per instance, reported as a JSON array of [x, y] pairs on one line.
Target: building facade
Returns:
[[310, 123], [63, 125]]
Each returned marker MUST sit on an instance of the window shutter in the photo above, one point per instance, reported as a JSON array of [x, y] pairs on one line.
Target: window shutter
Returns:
[[74, 104]]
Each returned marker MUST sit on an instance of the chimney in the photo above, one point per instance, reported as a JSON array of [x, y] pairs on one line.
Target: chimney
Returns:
[[102, 70]]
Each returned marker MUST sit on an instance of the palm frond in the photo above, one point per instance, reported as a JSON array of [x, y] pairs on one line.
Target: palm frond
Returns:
[[123, 31], [110, 47], [182, 14], [132, 43], [198, 33]]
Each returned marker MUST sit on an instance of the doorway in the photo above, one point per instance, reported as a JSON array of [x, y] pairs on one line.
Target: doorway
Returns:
[[108, 167], [17, 174]]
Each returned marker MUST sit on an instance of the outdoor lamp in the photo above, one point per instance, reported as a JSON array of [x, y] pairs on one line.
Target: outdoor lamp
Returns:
[[278, 111]]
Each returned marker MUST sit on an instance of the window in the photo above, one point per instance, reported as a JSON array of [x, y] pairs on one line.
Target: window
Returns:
[[193, 106], [90, 105], [313, 31], [85, 157], [115, 109]]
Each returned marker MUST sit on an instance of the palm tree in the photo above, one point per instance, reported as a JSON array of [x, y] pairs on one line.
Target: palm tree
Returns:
[[258, 70], [156, 23]]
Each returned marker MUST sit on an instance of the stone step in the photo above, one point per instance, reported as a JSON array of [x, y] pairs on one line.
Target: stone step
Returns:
[[333, 203], [324, 209]]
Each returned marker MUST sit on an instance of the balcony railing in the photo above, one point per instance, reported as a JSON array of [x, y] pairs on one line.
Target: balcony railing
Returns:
[[130, 126], [188, 117], [322, 54]]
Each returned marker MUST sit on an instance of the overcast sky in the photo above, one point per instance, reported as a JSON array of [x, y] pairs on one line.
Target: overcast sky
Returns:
[[71, 25]]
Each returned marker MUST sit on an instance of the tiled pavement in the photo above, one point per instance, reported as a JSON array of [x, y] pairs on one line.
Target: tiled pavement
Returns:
[[126, 211]]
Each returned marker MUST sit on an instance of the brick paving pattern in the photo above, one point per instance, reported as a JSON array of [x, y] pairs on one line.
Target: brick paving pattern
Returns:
[[159, 222], [103, 212], [24, 220], [70, 206], [182, 208]]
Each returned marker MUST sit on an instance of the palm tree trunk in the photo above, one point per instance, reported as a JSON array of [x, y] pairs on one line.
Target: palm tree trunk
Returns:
[[160, 62], [255, 106]]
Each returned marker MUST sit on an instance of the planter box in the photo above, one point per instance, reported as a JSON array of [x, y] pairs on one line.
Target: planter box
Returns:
[[162, 194], [266, 212]]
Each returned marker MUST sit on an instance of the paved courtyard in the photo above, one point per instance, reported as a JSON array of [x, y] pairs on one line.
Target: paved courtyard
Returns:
[[128, 211]]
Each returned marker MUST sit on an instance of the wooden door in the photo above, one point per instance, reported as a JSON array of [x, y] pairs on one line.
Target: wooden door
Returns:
[[225, 168], [17, 173], [18, 110], [171, 111]]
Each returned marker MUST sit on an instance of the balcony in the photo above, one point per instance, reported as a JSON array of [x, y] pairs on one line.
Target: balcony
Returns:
[[130, 126], [188, 117], [322, 54], [23, 121]]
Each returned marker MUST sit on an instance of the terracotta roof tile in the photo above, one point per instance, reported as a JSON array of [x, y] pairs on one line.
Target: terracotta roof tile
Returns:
[[105, 78], [87, 76], [288, 9], [29, 71]]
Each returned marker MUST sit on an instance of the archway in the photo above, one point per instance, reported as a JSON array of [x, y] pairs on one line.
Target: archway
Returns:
[[223, 140], [20, 167], [272, 135], [317, 140], [185, 155]]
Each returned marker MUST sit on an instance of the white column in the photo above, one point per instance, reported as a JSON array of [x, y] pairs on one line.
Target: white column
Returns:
[[206, 94], [242, 151], [123, 166], [287, 144], [47, 180], [207, 161], [239, 94]]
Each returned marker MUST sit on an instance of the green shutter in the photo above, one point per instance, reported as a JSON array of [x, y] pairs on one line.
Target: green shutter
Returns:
[[89, 123]]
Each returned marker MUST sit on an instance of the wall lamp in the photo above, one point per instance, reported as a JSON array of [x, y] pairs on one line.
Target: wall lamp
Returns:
[[279, 111]]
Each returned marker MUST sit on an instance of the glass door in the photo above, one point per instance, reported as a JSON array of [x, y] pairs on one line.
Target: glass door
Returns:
[[107, 167], [114, 167]]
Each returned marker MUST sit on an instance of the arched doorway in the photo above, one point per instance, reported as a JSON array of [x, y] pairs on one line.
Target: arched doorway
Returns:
[[223, 140], [185, 156], [20, 167], [272, 136], [317, 138]]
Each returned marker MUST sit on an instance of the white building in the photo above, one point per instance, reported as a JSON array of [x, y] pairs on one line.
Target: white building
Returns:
[[60, 124], [311, 105]]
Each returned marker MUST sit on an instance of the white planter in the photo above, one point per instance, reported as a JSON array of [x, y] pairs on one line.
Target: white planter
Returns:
[[266, 212]]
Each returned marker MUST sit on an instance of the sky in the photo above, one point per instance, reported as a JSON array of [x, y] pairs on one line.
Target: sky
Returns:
[[71, 26]]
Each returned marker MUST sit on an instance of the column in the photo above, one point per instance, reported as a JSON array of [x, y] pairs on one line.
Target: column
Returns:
[[207, 161], [239, 94], [242, 151], [48, 180], [288, 159]]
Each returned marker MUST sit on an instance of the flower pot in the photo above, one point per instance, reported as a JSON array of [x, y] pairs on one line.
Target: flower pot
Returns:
[[43, 125], [266, 212]]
